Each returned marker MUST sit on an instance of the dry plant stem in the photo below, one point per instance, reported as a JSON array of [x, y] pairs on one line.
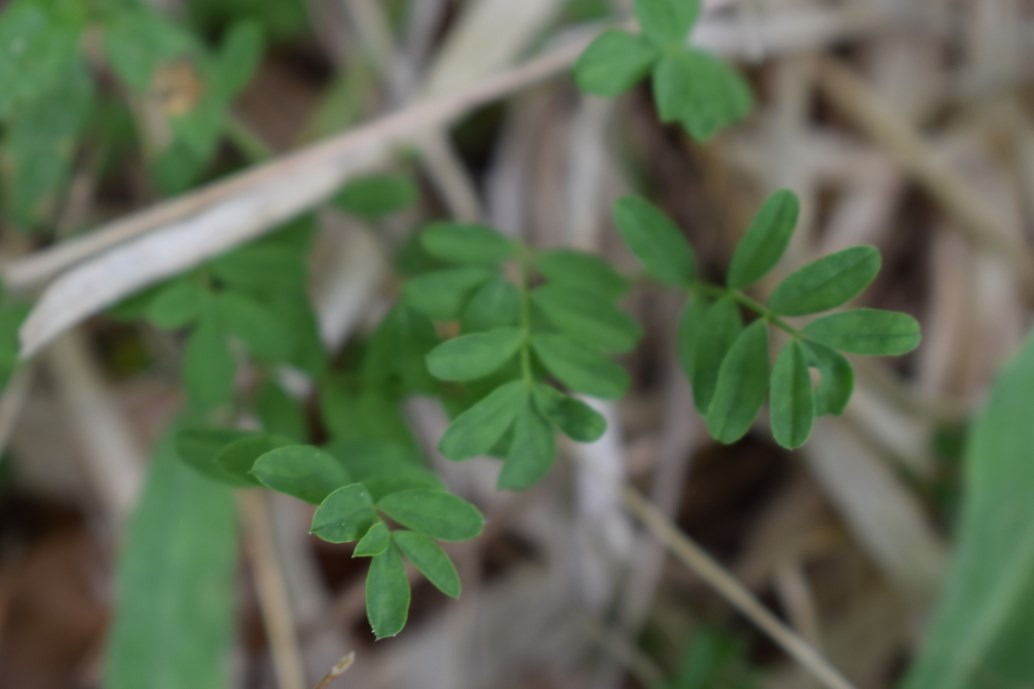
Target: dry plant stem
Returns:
[[697, 559], [981, 223], [272, 591], [339, 669]]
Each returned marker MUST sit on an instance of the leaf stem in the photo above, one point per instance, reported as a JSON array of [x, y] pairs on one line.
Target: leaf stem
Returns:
[[745, 300]]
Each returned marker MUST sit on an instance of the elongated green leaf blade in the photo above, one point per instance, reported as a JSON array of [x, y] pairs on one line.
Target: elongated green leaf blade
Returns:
[[836, 379], [656, 241], [575, 419], [723, 325], [575, 270], [588, 318], [345, 515], [667, 22], [792, 399], [441, 295], [238, 458], [613, 63], [430, 560], [301, 471], [474, 356], [375, 542], [474, 432], [742, 385], [826, 283], [174, 618], [580, 367], [689, 334], [208, 366], [496, 304], [765, 241], [376, 196], [531, 452], [264, 269], [436, 513], [466, 243], [179, 303], [198, 447], [872, 332], [980, 633], [387, 594]]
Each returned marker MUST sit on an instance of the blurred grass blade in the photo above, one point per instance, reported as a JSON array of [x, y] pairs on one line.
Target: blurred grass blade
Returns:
[[174, 618], [980, 635]]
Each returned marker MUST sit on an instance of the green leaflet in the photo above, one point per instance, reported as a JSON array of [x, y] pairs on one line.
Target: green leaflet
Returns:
[[208, 367], [237, 458], [742, 385], [375, 542], [376, 196], [765, 240], [872, 332], [399, 349], [474, 356], [387, 593], [430, 560], [262, 269], [255, 324], [302, 471], [174, 620], [279, 413], [588, 318], [345, 515], [791, 398], [656, 241], [475, 431], [177, 304], [466, 243], [440, 295], [700, 91], [575, 270], [532, 449], [826, 283], [723, 324], [239, 57], [613, 63], [690, 333], [11, 317], [580, 367], [980, 633], [496, 304], [836, 382], [667, 22], [437, 513], [138, 42], [198, 447], [575, 419]]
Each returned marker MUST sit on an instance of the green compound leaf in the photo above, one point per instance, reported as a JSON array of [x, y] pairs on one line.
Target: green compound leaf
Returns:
[[613, 63], [387, 593], [580, 367], [436, 513], [836, 379], [301, 471], [176, 571], [575, 270], [979, 636], [237, 459], [441, 295], [496, 304], [208, 367], [688, 336], [575, 419], [345, 515], [198, 446], [792, 400], [871, 332], [474, 356], [377, 196], [701, 92], [827, 282], [430, 560], [466, 243], [375, 542], [723, 324], [476, 431], [742, 385], [667, 22], [588, 318], [765, 240], [177, 304], [531, 452], [656, 241]]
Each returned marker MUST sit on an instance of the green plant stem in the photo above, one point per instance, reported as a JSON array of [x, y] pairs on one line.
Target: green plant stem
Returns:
[[719, 291], [523, 285]]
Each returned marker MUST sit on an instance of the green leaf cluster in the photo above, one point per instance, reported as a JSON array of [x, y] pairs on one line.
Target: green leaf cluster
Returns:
[[556, 323], [728, 361], [692, 87]]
